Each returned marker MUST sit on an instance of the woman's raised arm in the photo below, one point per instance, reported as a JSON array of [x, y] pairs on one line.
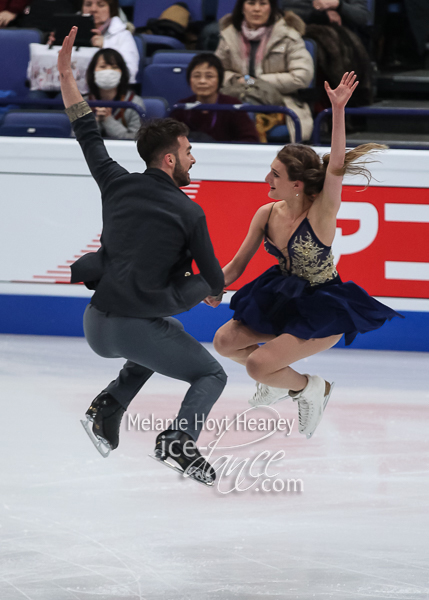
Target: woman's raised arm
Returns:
[[330, 197]]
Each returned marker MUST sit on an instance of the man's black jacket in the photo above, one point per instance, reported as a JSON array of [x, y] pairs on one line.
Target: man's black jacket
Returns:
[[151, 233]]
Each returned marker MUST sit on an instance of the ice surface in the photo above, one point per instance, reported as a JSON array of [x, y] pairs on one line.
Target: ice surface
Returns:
[[75, 526]]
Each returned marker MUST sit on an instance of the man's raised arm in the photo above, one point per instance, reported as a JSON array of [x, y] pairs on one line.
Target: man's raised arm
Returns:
[[102, 167]]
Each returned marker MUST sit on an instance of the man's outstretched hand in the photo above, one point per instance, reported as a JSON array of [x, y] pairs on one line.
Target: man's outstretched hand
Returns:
[[69, 90], [64, 55]]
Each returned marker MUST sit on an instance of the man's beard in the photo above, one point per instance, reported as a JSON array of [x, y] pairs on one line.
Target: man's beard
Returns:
[[180, 176]]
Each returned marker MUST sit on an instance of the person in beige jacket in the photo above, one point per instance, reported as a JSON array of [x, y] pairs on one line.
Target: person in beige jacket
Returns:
[[256, 44]]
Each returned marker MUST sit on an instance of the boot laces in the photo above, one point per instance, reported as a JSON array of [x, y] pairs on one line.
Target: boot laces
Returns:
[[263, 394], [304, 411]]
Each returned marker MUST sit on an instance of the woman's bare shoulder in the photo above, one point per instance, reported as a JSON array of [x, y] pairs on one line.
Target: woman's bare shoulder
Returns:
[[264, 211]]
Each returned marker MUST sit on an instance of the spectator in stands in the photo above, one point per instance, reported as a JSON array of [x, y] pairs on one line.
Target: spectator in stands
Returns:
[[111, 32], [353, 14], [108, 79], [10, 9], [205, 76], [401, 34], [338, 27], [266, 59]]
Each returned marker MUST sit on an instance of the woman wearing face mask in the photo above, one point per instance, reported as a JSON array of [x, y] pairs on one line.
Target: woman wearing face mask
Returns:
[[107, 78]]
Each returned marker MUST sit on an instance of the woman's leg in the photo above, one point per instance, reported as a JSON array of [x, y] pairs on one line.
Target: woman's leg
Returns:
[[237, 341], [269, 364]]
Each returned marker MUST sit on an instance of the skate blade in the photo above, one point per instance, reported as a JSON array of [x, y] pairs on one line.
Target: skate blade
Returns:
[[329, 395], [309, 435], [101, 444], [190, 472]]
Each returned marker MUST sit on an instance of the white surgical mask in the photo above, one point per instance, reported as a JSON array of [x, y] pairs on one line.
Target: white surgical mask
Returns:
[[107, 79]]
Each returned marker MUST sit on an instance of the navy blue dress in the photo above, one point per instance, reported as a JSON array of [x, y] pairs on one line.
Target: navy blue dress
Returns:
[[308, 299]]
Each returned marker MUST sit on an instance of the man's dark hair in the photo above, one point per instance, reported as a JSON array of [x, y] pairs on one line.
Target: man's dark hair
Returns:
[[212, 60], [237, 14], [158, 137], [111, 57]]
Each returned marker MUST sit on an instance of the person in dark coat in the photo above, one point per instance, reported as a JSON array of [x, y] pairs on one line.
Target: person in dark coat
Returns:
[[10, 9], [205, 77], [353, 14], [142, 275]]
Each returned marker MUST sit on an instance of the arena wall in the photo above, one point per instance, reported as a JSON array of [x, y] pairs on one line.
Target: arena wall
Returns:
[[51, 215]]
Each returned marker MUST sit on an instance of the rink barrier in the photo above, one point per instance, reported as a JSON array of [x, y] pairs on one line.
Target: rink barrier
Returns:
[[63, 316], [51, 215]]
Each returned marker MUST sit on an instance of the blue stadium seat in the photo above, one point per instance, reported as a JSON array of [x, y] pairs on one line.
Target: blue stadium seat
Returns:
[[173, 58], [167, 81], [311, 46], [155, 108], [153, 43], [144, 10], [224, 7], [36, 124], [15, 55], [371, 10], [141, 47], [209, 9], [395, 7]]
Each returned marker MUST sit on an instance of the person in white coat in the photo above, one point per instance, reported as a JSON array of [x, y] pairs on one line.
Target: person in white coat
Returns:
[[111, 32]]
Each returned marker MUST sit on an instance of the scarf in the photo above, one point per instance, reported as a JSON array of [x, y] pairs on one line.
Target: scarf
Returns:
[[262, 34]]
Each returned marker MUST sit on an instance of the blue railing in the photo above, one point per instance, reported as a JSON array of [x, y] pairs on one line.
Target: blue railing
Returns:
[[247, 108], [368, 111], [17, 100]]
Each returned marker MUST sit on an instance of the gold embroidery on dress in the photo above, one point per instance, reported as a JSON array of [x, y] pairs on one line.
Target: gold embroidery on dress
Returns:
[[283, 266], [306, 262]]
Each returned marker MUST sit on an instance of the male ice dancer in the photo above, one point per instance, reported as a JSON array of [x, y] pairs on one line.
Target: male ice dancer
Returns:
[[142, 275]]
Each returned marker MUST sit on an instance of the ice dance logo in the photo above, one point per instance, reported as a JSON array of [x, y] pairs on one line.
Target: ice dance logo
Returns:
[[258, 474], [236, 472]]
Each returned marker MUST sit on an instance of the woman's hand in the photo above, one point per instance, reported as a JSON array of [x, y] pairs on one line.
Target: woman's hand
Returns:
[[98, 39], [102, 112], [6, 17], [341, 95], [211, 301], [214, 301]]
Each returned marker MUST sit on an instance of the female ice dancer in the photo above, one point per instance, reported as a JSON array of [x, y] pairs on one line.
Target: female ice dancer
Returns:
[[300, 306]]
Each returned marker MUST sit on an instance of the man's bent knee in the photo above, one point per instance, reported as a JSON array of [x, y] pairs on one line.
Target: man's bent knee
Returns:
[[222, 376]]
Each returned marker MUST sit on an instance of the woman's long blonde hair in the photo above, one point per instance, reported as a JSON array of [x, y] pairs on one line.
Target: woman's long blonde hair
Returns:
[[304, 164]]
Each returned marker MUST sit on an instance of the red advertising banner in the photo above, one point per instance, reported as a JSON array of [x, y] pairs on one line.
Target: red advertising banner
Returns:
[[382, 239]]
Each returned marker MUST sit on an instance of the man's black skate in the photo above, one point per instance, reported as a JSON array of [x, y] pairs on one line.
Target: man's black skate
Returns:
[[105, 414], [178, 446]]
